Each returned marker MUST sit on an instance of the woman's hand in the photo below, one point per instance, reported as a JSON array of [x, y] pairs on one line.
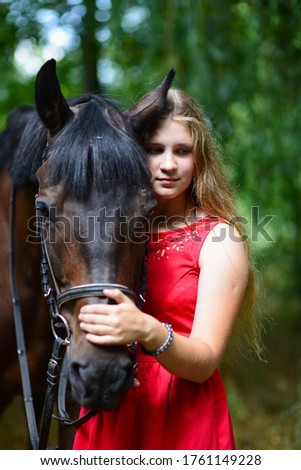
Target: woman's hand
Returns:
[[111, 324]]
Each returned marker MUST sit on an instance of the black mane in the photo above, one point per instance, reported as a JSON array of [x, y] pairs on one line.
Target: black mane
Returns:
[[95, 149], [10, 136]]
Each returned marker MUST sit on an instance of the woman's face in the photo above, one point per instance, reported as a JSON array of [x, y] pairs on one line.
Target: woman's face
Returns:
[[170, 159]]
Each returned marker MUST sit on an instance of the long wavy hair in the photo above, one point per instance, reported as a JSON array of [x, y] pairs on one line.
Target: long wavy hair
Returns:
[[212, 193]]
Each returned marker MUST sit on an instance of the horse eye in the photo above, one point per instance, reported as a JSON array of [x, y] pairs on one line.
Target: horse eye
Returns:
[[42, 209]]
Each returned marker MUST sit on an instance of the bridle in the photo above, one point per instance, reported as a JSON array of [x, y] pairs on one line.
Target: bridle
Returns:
[[55, 300], [57, 376]]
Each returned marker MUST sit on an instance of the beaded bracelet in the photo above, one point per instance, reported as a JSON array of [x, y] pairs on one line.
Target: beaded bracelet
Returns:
[[165, 345]]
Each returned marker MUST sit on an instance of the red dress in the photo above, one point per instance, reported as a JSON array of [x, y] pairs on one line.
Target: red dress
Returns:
[[167, 412]]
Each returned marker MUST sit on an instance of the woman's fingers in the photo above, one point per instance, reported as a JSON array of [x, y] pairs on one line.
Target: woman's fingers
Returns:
[[117, 295], [94, 328], [105, 309], [102, 340], [92, 310], [110, 323]]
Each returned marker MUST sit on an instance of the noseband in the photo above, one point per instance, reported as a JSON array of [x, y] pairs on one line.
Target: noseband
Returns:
[[91, 290]]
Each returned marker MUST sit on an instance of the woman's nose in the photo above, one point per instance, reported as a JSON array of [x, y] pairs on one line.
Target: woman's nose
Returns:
[[168, 161]]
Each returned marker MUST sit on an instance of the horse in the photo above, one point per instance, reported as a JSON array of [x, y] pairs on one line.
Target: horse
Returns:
[[82, 203]]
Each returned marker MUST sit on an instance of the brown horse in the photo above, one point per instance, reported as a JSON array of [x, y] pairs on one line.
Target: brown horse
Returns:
[[79, 162], [27, 273]]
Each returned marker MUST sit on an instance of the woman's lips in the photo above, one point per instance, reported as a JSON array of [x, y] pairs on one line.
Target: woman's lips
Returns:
[[167, 180]]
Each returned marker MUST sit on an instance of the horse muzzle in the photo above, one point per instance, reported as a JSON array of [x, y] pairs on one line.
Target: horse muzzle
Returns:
[[101, 381]]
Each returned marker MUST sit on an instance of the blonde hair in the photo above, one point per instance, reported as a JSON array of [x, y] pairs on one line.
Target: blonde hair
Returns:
[[212, 192]]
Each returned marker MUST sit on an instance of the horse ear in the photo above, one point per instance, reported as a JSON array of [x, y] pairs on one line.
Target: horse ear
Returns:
[[51, 106], [144, 114]]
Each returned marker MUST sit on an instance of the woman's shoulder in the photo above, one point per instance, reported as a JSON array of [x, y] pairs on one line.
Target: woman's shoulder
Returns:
[[224, 243]]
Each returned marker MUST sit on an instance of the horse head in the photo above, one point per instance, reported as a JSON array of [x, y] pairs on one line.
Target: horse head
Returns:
[[94, 200]]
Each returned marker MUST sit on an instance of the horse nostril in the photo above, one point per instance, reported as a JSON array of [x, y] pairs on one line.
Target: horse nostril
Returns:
[[77, 370], [82, 376], [117, 374]]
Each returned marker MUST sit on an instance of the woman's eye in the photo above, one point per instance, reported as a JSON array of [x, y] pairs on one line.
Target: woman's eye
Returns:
[[184, 151], [153, 150]]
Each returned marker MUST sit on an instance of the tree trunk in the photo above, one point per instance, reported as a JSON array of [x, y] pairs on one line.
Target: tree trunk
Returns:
[[90, 48]]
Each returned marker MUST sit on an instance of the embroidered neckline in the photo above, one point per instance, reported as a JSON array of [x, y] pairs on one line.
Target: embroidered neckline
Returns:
[[162, 244], [154, 236]]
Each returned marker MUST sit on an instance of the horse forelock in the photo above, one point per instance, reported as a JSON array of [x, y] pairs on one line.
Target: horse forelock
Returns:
[[96, 149]]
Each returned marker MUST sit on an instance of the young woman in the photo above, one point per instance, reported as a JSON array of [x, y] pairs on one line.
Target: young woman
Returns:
[[199, 284]]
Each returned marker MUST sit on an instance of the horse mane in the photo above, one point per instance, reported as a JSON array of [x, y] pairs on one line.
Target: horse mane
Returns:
[[10, 136], [95, 149]]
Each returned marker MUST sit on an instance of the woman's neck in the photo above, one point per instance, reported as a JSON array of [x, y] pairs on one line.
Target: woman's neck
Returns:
[[171, 214]]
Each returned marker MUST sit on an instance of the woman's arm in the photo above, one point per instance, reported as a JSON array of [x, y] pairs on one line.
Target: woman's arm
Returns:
[[221, 289]]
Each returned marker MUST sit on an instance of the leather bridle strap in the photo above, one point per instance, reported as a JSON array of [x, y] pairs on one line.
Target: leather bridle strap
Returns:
[[21, 347], [91, 290], [63, 415]]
